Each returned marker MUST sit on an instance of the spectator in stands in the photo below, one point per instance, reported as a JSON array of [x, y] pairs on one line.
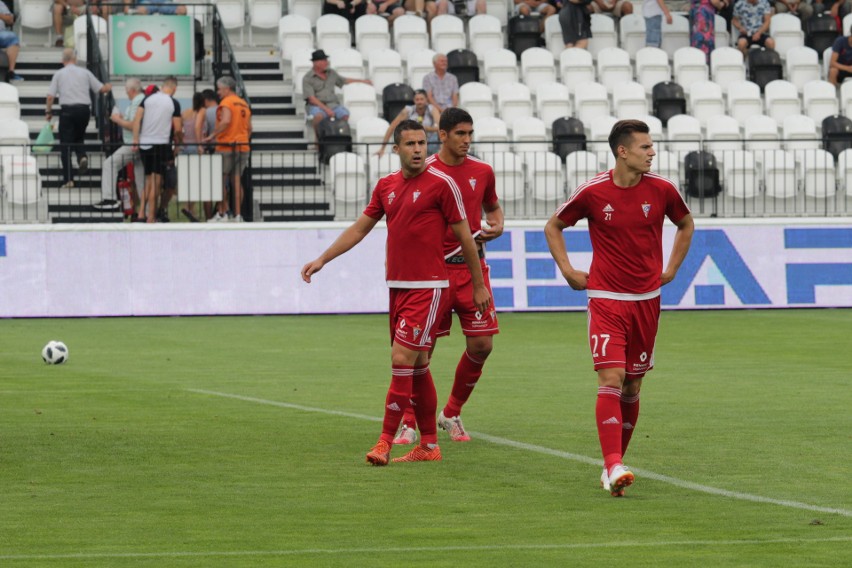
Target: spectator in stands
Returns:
[[541, 8], [576, 21], [72, 84], [318, 88], [391, 9], [9, 41], [800, 8], [654, 11], [164, 7], [156, 124], [64, 13], [124, 154], [751, 19], [232, 134], [205, 122], [422, 112], [191, 139], [440, 7], [702, 16], [349, 9], [617, 8], [840, 67], [441, 86]]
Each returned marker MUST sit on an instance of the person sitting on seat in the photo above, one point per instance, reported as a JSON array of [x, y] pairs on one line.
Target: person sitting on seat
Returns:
[[9, 41]]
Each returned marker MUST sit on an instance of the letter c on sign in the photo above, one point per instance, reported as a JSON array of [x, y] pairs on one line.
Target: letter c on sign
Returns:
[[138, 58]]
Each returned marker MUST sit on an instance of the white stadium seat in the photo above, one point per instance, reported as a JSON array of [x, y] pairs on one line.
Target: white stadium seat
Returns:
[[514, 101], [553, 36], [419, 65], [726, 66], [380, 166], [552, 101], [629, 100], [409, 35], [447, 33], [652, 67], [580, 167], [348, 179], [690, 66], [369, 134], [537, 66], [546, 180], [761, 134], [385, 68], [576, 67], [500, 67], [263, 15], [360, 99], [371, 33], [786, 30], [232, 14], [706, 101], [744, 100], [22, 198], [311, 9], [294, 34], [80, 31], [781, 99], [348, 62], [684, 134], [631, 33], [802, 66], [603, 34], [614, 68], [590, 100], [740, 174], [477, 99], [675, 35], [332, 33], [820, 98], [485, 34]]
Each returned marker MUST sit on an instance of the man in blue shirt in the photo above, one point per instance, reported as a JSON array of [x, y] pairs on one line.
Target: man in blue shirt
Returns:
[[751, 19], [9, 40], [841, 60]]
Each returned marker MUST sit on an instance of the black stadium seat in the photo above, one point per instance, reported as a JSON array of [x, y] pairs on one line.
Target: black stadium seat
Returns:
[[702, 175], [569, 135], [395, 97], [333, 136], [463, 64], [668, 100], [836, 134], [764, 65], [524, 32], [820, 32]]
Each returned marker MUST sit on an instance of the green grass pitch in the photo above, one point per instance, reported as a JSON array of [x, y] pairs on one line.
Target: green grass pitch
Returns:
[[240, 441]]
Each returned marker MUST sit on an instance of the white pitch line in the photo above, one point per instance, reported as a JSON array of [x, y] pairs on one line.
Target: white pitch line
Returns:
[[428, 549], [559, 454]]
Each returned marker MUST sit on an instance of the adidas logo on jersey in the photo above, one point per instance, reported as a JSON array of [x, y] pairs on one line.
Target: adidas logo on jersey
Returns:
[[608, 208]]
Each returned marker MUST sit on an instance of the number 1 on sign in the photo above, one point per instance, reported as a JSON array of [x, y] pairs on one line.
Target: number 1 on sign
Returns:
[[170, 39]]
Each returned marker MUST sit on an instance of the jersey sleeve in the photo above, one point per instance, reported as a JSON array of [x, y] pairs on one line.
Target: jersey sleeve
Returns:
[[573, 210], [375, 207], [676, 207], [490, 194], [177, 108], [452, 204]]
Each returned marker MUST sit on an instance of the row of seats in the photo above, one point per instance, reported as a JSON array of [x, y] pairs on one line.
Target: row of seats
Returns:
[[542, 176], [21, 197]]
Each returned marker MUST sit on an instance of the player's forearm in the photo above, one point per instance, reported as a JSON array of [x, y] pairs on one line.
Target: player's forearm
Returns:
[[682, 241], [347, 240], [556, 244]]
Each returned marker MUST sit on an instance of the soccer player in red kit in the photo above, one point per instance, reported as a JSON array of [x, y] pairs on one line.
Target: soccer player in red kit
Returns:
[[419, 203], [475, 180], [626, 208]]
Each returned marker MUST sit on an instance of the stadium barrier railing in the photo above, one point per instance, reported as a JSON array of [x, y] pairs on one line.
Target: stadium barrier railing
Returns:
[[531, 180]]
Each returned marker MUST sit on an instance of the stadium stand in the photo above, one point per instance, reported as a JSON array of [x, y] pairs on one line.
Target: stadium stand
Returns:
[[371, 33], [464, 65]]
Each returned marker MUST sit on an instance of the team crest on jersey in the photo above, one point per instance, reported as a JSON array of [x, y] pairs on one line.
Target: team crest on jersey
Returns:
[[646, 208], [416, 194], [473, 183], [391, 197]]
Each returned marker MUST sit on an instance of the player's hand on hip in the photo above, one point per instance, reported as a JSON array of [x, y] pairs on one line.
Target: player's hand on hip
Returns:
[[310, 269], [577, 279], [666, 277], [481, 298]]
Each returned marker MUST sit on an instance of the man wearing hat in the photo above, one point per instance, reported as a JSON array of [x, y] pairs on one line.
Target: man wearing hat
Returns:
[[318, 87]]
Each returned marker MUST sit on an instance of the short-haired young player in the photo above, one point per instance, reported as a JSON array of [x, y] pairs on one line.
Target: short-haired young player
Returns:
[[626, 208], [419, 203], [475, 180]]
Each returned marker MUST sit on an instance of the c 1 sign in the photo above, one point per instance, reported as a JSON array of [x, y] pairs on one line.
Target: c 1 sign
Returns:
[[151, 45]]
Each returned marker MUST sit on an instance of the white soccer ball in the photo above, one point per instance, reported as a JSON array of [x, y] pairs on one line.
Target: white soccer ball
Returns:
[[54, 353]]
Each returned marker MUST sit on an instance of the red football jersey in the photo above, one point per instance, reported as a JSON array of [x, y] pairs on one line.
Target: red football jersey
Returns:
[[626, 229], [475, 180], [418, 212]]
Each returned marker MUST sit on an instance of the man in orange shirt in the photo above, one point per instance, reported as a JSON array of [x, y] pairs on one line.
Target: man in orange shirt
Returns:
[[232, 134]]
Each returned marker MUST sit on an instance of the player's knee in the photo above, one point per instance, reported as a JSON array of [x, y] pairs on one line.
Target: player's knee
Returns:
[[480, 347], [613, 377]]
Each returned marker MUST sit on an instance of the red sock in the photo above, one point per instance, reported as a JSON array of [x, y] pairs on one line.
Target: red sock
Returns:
[[608, 415], [629, 416], [424, 400], [396, 401], [409, 418], [468, 372]]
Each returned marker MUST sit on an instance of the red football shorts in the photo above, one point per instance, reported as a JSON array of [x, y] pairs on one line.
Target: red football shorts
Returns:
[[622, 334], [414, 314], [473, 322]]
